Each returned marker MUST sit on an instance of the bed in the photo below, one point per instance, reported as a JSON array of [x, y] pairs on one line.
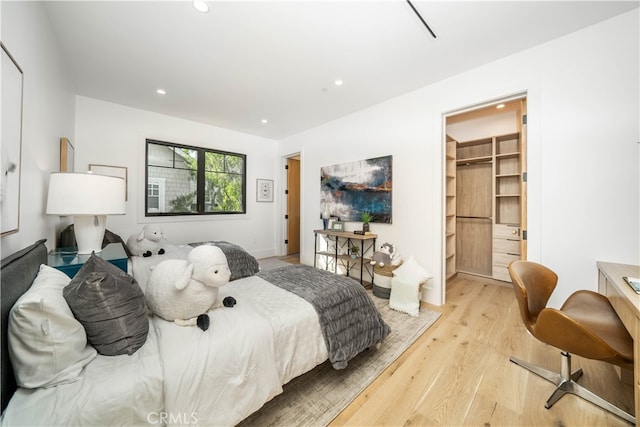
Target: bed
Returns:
[[281, 327]]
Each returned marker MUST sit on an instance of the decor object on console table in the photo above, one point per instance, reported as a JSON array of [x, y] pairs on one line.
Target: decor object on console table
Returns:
[[326, 214], [89, 199], [354, 251], [366, 218], [69, 261]]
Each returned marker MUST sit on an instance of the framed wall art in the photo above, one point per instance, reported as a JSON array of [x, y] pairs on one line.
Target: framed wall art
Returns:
[[117, 171], [67, 155], [264, 190], [12, 80], [351, 189]]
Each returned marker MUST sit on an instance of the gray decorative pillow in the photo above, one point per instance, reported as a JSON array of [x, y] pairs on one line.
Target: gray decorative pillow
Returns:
[[110, 305], [241, 263]]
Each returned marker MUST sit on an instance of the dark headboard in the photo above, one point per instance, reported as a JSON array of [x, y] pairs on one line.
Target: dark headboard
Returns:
[[18, 272]]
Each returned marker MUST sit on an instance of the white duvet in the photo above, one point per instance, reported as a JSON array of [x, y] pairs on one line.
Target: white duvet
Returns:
[[186, 376], [222, 375]]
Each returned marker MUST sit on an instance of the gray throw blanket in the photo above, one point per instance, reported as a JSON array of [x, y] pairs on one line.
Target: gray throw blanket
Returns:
[[348, 317]]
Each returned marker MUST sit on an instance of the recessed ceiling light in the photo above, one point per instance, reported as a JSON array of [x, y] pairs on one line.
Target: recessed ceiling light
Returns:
[[500, 106], [264, 121], [201, 6], [338, 83], [161, 92]]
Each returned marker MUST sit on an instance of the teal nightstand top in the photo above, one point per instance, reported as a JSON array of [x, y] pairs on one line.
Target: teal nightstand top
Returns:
[[69, 261]]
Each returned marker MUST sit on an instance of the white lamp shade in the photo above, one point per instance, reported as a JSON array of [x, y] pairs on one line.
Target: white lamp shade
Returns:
[[85, 194], [89, 198]]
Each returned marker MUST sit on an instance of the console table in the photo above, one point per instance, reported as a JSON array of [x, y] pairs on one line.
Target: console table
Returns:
[[338, 250]]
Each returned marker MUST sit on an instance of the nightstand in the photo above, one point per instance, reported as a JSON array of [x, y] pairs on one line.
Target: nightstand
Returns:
[[69, 261]]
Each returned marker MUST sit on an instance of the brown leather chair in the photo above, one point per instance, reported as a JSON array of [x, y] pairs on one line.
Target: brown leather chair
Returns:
[[586, 325]]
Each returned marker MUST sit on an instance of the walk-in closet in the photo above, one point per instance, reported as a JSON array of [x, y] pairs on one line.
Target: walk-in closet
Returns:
[[485, 189]]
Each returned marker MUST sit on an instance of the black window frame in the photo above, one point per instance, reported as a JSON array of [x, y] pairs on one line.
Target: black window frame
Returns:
[[200, 180]]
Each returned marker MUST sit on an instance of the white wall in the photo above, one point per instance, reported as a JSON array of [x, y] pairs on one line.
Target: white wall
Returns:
[[583, 193], [48, 115], [484, 127], [583, 133], [115, 135]]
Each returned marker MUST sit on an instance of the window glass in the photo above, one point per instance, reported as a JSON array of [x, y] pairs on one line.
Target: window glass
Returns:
[[173, 174]]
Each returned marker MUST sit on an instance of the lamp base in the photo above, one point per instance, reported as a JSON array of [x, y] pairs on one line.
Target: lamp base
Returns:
[[89, 230]]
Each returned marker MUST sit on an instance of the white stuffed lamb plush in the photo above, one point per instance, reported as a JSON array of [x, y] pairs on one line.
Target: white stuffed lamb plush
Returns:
[[181, 290], [147, 241]]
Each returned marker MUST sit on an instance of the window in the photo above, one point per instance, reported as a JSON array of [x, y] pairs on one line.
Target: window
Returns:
[[155, 195], [184, 180]]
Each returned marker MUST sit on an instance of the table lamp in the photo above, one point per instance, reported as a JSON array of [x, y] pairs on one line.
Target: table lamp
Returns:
[[89, 198]]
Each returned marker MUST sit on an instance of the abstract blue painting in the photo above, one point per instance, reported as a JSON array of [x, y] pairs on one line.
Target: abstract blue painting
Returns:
[[349, 189]]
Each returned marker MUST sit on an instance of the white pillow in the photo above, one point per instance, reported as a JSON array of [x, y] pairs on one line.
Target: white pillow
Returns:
[[411, 271], [405, 296], [47, 345]]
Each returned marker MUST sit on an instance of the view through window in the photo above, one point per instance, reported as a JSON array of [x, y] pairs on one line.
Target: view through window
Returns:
[[186, 180]]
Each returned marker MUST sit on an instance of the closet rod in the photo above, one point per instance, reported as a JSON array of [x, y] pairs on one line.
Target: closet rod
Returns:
[[473, 163], [473, 217]]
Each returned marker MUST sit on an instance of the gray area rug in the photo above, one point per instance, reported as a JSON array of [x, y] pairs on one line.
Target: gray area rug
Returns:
[[317, 397]]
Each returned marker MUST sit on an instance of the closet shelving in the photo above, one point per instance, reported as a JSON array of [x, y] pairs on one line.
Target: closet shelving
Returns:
[[508, 177], [506, 228], [483, 198], [450, 219]]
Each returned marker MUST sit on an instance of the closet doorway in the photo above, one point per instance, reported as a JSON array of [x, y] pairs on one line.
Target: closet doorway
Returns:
[[486, 188], [292, 208]]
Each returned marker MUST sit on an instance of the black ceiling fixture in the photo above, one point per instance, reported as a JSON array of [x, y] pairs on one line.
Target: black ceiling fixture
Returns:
[[422, 20]]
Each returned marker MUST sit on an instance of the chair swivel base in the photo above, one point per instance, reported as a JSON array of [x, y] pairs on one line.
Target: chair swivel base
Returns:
[[566, 383]]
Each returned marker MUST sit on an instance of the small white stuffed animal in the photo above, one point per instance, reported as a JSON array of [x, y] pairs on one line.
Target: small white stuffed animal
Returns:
[[147, 242], [181, 290]]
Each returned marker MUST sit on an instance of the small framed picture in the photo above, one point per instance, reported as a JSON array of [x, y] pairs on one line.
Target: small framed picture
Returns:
[[330, 222], [66, 155], [264, 190], [337, 226]]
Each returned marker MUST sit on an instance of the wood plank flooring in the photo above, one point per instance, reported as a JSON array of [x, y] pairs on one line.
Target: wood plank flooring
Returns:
[[458, 372], [292, 259]]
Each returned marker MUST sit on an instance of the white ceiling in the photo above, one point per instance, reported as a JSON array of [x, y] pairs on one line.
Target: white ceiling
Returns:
[[246, 61]]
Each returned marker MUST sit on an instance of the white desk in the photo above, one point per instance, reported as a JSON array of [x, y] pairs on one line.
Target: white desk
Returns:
[[627, 304]]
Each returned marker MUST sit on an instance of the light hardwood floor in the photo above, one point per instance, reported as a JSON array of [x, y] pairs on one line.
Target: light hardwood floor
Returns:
[[459, 373], [292, 259]]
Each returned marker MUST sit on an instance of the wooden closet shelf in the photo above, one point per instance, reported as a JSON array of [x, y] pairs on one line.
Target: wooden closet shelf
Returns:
[[474, 143], [507, 155], [472, 160]]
